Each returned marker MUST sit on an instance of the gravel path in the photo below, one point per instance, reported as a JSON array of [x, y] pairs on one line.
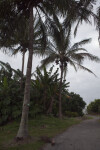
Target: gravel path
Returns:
[[85, 136]]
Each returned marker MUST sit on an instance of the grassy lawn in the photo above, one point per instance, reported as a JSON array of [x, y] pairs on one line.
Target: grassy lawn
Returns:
[[42, 126]]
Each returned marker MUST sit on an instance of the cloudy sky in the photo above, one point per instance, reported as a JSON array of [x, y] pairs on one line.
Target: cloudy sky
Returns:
[[81, 82]]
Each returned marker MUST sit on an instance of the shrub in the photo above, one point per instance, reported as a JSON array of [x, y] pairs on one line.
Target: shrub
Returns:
[[71, 114], [94, 107]]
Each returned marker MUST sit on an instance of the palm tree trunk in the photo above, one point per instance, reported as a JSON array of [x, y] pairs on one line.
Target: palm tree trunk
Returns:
[[23, 60], [44, 100], [23, 128], [51, 106], [60, 90]]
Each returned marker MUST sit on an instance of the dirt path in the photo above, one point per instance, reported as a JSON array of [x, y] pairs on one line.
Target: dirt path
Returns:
[[85, 136]]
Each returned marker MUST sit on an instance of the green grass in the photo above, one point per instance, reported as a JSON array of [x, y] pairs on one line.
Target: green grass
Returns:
[[86, 117], [42, 126]]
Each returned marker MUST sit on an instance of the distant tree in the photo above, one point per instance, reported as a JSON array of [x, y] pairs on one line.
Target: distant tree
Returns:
[[74, 103], [94, 107]]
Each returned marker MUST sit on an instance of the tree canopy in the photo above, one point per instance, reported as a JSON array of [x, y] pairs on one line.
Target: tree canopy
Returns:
[[94, 107]]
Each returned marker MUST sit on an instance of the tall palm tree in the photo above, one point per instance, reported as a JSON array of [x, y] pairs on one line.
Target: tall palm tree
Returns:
[[82, 11], [19, 40], [61, 51], [25, 8], [22, 39]]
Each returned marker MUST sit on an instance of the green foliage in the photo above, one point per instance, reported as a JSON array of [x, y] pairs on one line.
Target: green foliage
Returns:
[[10, 95], [45, 91], [44, 88], [74, 103], [71, 114], [94, 107], [44, 95]]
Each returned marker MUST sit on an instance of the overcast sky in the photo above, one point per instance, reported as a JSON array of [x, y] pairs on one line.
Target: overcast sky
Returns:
[[81, 82]]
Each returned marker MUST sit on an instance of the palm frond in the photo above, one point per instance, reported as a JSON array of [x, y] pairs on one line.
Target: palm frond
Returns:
[[43, 31], [50, 49], [71, 51], [77, 57], [85, 69], [9, 68], [16, 50], [55, 31], [72, 63], [37, 52], [82, 11], [56, 19], [67, 39], [90, 57], [81, 43], [76, 28], [50, 59]]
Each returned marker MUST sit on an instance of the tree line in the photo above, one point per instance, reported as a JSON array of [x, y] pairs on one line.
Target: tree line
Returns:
[[44, 95]]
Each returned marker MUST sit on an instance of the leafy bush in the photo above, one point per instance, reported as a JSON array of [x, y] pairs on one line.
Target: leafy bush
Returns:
[[71, 114], [10, 102], [10, 95], [94, 107], [43, 99], [74, 103]]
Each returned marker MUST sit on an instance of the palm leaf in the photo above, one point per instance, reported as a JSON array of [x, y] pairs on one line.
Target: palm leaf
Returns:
[[81, 43], [90, 56], [72, 64], [85, 69], [76, 28], [77, 57], [71, 51], [16, 50], [50, 59]]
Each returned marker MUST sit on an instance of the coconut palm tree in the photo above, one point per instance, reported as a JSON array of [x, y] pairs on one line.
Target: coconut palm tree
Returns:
[[22, 39], [19, 40], [62, 53], [82, 11]]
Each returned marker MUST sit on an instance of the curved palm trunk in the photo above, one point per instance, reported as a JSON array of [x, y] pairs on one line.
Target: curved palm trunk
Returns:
[[60, 90], [23, 128], [44, 100], [49, 111], [23, 61]]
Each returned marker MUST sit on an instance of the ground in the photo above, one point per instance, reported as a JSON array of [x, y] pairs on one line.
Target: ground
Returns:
[[84, 136], [39, 128]]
